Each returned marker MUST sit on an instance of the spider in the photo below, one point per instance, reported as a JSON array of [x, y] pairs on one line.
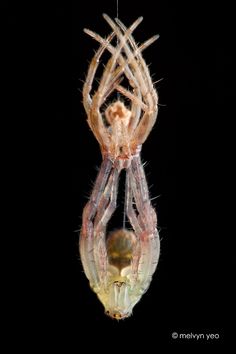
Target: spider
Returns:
[[120, 266]]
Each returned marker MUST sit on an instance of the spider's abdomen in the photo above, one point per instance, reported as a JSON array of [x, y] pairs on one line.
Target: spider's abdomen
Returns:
[[120, 246]]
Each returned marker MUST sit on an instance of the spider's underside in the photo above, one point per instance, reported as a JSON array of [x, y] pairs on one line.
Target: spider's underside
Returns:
[[120, 267]]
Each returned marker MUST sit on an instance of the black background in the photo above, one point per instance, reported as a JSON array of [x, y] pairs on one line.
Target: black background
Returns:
[[56, 155]]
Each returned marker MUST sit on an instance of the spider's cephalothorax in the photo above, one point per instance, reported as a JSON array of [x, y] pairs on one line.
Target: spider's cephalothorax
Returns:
[[120, 267], [118, 116]]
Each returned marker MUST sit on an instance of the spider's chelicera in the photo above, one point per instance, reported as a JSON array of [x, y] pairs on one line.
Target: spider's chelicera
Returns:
[[120, 267]]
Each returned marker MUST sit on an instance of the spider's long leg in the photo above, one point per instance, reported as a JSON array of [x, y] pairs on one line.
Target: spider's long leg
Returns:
[[106, 207], [149, 95], [107, 203], [92, 70], [132, 216], [130, 212], [87, 232], [138, 200], [95, 120], [149, 238], [141, 193]]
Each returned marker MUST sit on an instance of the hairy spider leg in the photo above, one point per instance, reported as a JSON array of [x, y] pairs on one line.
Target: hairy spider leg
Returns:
[[97, 125], [87, 232], [133, 219], [92, 70], [149, 238], [105, 210]]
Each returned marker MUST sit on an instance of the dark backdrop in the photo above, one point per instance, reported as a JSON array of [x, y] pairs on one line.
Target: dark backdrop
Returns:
[[50, 53]]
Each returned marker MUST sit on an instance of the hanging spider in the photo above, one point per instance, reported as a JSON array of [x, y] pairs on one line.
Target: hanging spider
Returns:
[[120, 267]]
